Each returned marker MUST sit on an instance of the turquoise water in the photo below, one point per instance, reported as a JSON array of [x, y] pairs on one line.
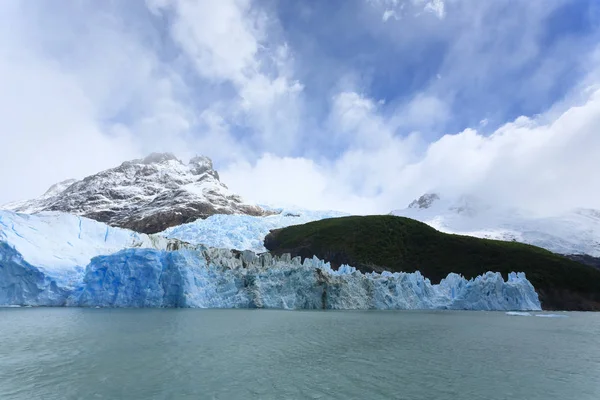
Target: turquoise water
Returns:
[[61, 353]]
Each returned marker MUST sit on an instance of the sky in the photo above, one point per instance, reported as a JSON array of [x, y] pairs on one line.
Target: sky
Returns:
[[353, 105]]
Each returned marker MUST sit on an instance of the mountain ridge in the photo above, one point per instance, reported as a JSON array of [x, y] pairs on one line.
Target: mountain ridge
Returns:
[[146, 195], [576, 232]]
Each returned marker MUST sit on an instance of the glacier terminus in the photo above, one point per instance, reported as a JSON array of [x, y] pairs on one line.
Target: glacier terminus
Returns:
[[57, 259]]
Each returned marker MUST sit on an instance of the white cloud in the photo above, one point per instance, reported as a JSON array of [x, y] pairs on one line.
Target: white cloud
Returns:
[[233, 42], [436, 7], [217, 36], [394, 8], [387, 14], [72, 103], [74, 99], [50, 122], [538, 164], [422, 112]]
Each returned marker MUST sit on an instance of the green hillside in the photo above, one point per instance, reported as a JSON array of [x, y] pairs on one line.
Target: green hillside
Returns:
[[383, 242]]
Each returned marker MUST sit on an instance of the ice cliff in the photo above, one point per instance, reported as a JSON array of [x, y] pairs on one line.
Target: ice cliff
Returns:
[[55, 259], [43, 256], [220, 278]]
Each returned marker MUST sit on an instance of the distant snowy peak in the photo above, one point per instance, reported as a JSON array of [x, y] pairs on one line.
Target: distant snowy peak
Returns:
[[37, 205], [466, 204], [146, 195], [574, 232], [424, 201]]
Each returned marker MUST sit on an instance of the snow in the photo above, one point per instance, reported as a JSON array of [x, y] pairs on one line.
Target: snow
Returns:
[[217, 278], [55, 241], [43, 256], [574, 232], [143, 192], [243, 232], [36, 205]]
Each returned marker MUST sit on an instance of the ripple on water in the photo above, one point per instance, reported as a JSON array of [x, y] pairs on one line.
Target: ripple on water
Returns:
[[242, 354]]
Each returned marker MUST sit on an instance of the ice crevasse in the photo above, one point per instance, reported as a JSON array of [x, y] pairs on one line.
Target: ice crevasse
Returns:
[[58, 259]]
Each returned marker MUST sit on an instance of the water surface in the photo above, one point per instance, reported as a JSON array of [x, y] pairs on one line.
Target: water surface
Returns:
[[62, 353]]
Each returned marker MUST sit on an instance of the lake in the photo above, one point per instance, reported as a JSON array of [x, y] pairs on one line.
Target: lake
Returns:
[[75, 353]]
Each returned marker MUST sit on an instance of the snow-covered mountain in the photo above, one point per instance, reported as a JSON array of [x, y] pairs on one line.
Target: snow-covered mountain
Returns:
[[56, 259], [145, 195], [575, 232]]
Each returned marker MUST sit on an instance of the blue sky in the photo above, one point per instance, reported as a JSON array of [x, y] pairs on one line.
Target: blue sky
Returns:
[[356, 105]]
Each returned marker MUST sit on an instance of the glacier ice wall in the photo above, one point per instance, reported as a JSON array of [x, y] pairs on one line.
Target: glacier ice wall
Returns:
[[219, 278], [57, 242], [242, 232], [43, 256], [55, 259], [23, 284]]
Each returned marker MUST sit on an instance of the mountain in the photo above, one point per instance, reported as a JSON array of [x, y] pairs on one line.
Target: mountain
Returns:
[[145, 195], [387, 243], [575, 232], [56, 259]]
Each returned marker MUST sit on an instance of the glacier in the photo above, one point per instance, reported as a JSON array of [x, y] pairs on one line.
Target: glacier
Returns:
[[222, 278], [56, 259], [243, 232], [43, 256]]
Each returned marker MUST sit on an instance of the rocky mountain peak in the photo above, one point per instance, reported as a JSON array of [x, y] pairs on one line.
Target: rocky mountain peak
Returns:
[[59, 187], [146, 195], [424, 201], [201, 164]]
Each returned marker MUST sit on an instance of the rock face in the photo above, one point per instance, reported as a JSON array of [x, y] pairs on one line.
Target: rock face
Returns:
[[585, 259], [145, 195], [424, 201]]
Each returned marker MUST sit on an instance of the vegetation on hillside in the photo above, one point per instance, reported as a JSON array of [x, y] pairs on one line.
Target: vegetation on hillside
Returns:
[[383, 242]]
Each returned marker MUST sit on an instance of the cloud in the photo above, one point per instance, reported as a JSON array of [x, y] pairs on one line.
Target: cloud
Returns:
[[387, 14], [395, 8], [308, 105], [538, 164], [232, 42], [436, 7], [88, 95], [50, 122]]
